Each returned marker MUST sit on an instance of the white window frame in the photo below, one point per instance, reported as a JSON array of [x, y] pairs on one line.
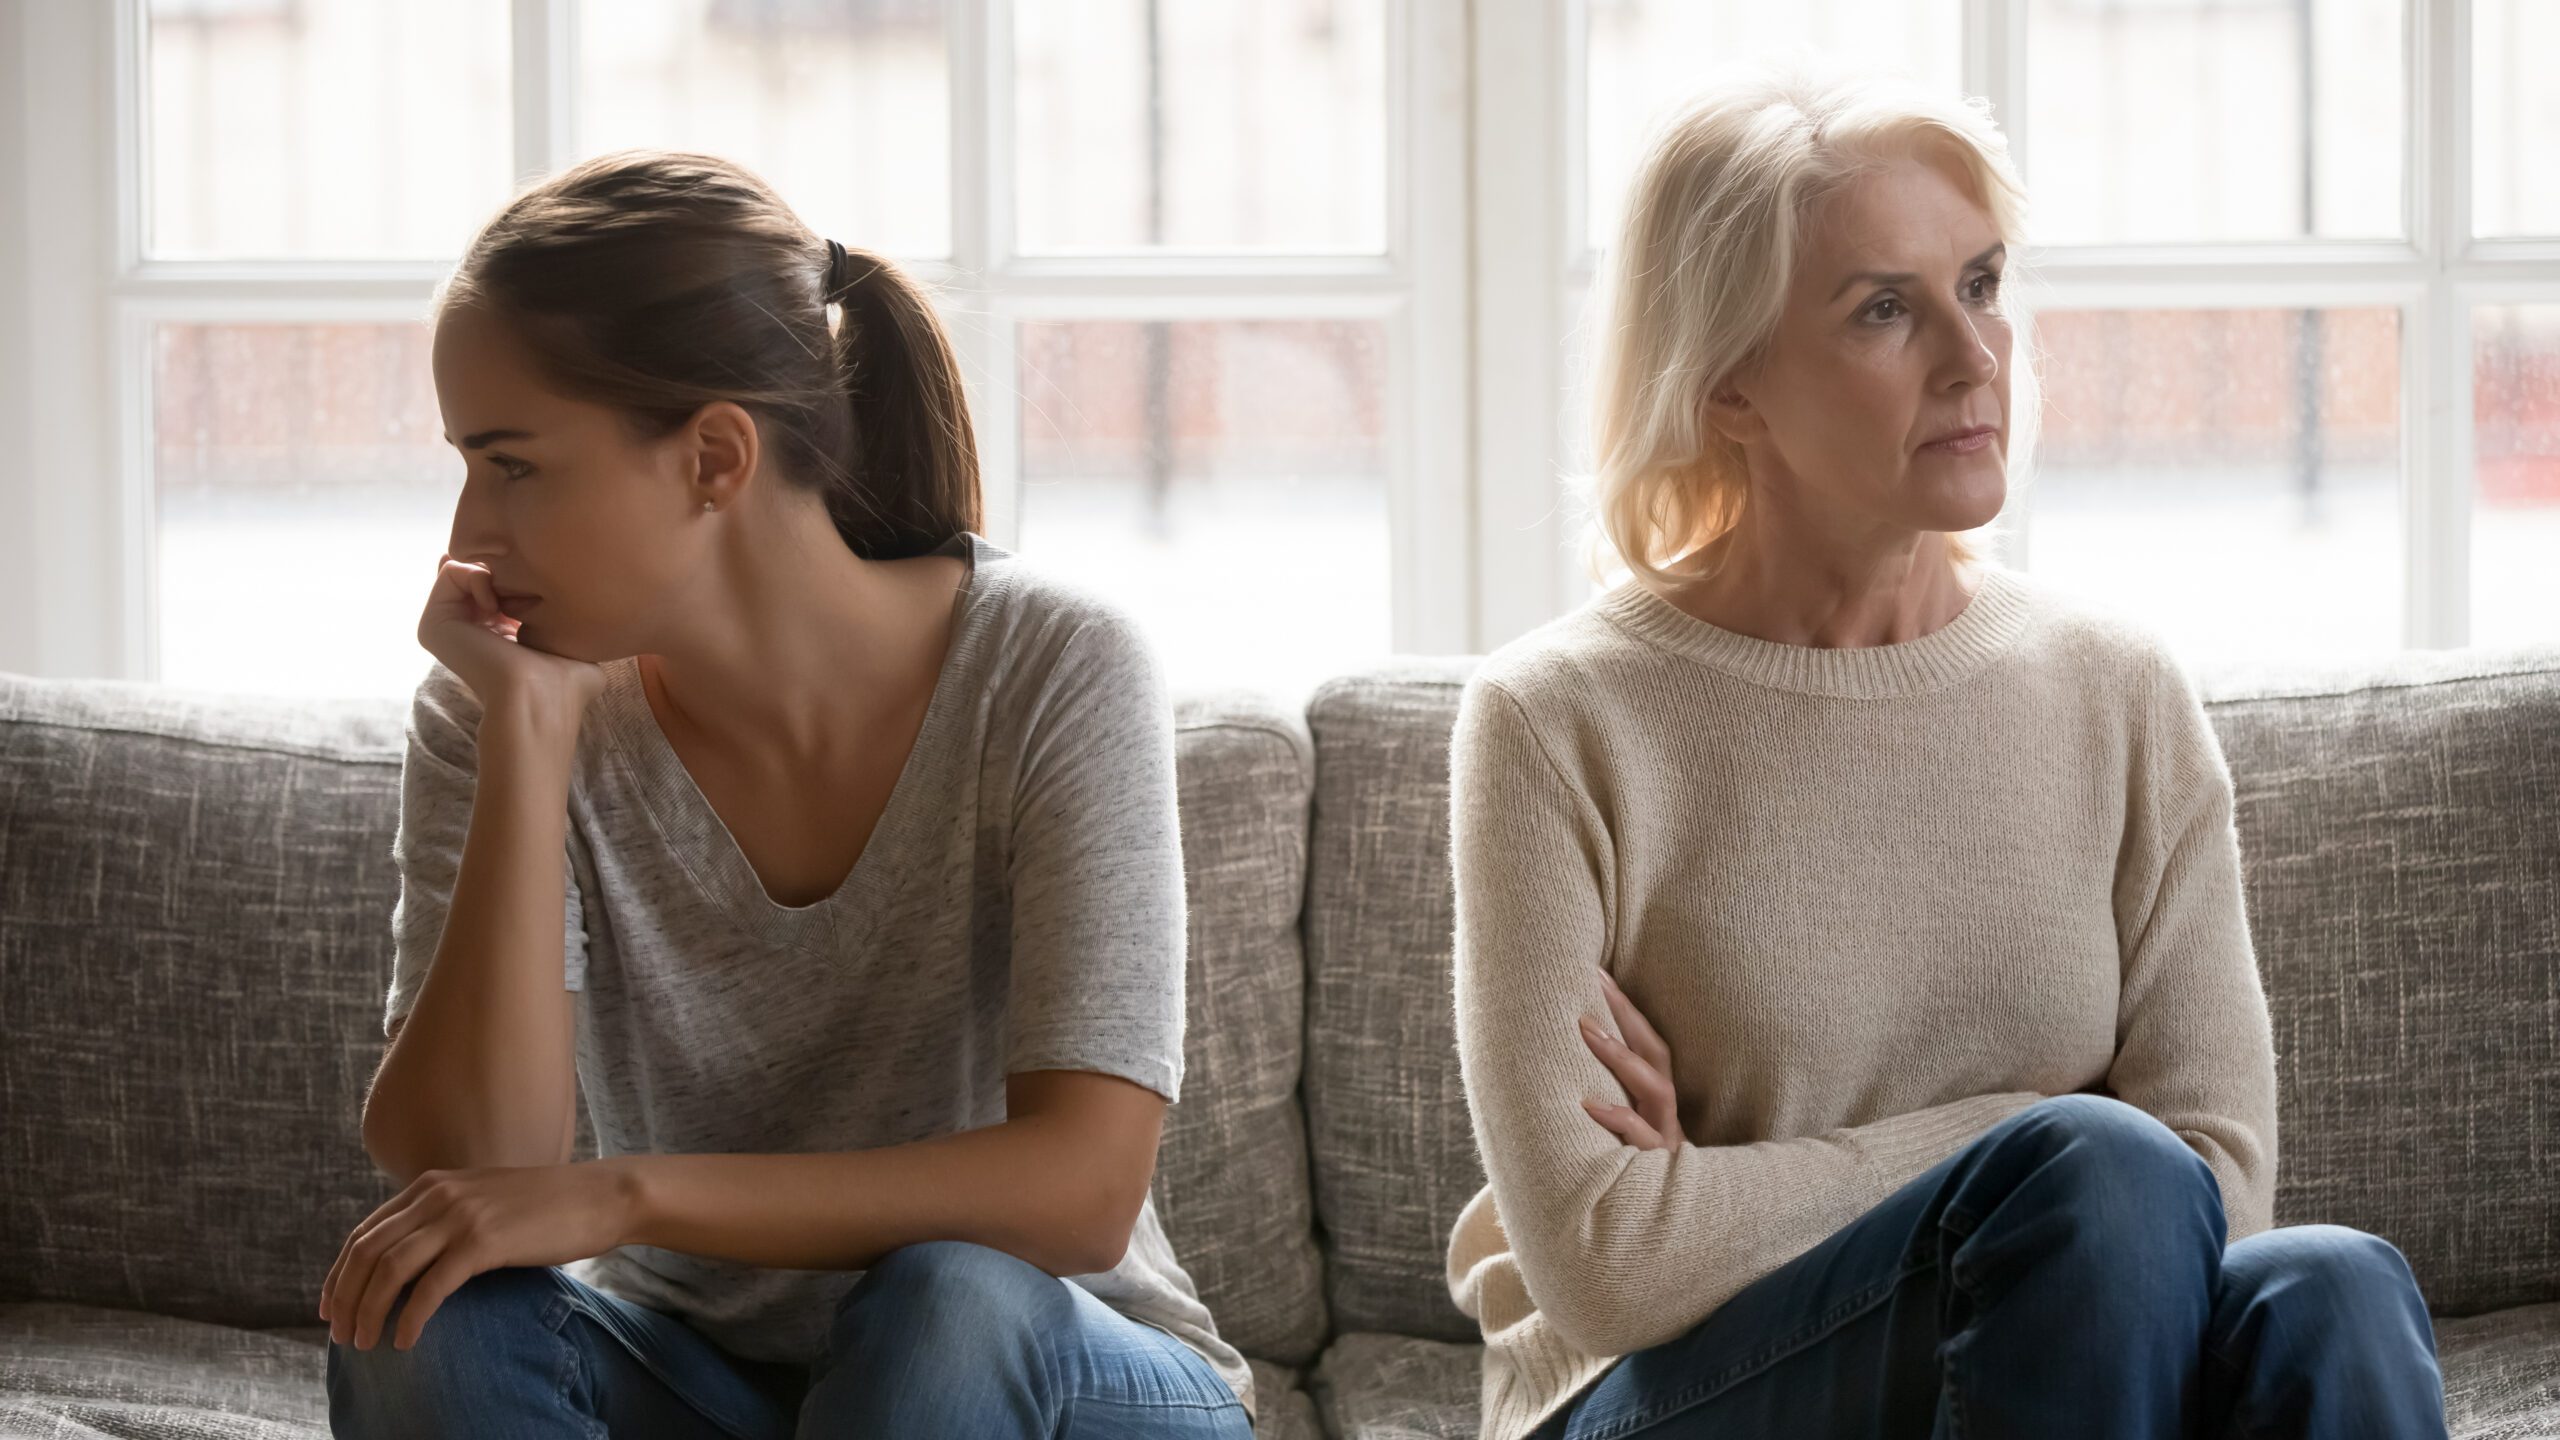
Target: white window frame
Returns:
[[86, 549], [1530, 182], [1485, 247]]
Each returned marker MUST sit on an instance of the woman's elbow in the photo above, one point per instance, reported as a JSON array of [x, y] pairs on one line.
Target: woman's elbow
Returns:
[[1569, 1286], [387, 1147], [1590, 1328]]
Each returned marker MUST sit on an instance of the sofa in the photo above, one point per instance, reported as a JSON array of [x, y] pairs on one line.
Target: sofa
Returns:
[[195, 900]]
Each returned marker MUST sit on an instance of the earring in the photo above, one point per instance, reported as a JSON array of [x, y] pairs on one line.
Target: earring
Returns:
[[706, 505]]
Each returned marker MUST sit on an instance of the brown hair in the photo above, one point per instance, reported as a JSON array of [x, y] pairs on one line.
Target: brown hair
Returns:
[[658, 281]]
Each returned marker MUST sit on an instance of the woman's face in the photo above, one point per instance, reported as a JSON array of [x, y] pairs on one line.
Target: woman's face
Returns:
[[560, 502], [1893, 335]]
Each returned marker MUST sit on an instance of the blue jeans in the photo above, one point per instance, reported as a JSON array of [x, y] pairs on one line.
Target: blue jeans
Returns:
[[941, 1338], [2063, 1274]]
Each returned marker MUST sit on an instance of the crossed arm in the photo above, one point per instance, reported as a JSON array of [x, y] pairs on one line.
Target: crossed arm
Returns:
[[1626, 1245]]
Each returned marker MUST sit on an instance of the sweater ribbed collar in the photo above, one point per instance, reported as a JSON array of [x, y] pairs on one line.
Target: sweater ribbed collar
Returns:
[[1995, 616]]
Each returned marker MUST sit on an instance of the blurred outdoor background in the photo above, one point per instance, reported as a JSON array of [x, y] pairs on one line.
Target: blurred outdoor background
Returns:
[[1224, 303]]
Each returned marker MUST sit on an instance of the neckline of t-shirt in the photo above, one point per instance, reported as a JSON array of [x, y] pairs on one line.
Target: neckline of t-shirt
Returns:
[[704, 847], [1990, 620]]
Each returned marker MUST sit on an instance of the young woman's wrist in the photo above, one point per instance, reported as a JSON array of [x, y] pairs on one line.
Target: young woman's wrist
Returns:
[[533, 717], [627, 1187]]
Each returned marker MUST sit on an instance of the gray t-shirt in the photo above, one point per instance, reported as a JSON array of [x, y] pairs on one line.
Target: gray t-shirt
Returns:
[[1019, 906]]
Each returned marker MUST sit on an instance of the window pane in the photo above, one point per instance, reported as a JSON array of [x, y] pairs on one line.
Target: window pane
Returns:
[[340, 128], [304, 493], [2515, 117], [1647, 56], [842, 105], [2230, 121], [2515, 511], [1224, 480], [1258, 127], [2232, 476]]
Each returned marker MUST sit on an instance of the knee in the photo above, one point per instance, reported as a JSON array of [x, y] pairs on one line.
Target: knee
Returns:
[[932, 1321], [2101, 1140], [2117, 1165], [2323, 1282], [463, 1344], [945, 1299]]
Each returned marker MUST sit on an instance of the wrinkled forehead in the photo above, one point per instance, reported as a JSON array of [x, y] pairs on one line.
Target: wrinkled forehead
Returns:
[[1919, 210]]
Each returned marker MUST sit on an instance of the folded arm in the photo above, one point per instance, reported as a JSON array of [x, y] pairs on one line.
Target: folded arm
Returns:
[[1621, 1248]]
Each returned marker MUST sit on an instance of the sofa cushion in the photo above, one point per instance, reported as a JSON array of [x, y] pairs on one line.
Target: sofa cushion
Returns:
[[1283, 1410], [1371, 1386], [2502, 1373], [1395, 1155], [2501, 1381], [81, 1370], [195, 906], [1231, 1175], [2400, 833]]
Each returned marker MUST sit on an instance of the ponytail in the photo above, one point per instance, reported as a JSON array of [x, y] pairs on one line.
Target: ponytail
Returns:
[[912, 478]]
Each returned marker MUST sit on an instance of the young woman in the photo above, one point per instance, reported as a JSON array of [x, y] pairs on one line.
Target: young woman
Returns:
[[1925, 873], [827, 849]]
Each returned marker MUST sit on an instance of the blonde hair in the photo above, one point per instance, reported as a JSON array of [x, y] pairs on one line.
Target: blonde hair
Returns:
[[1692, 293]]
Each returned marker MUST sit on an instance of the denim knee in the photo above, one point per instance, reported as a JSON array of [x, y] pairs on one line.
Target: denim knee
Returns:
[[979, 1294], [485, 1330], [2323, 1283], [939, 1338], [2100, 1146]]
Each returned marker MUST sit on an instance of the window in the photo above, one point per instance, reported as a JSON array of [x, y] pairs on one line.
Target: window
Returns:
[[1177, 246], [2292, 297], [1274, 315]]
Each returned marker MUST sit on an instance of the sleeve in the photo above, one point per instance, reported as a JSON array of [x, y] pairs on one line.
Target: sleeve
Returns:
[[1621, 1248], [439, 771], [1095, 868], [2194, 1045]]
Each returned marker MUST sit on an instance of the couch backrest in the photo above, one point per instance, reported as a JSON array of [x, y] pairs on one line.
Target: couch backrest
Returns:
[[195, 908], [1231, 1175], [195, 892], [1387, 1120], [2400, 837]]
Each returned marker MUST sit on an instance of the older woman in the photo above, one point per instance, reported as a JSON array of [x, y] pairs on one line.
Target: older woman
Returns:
[[1925, 873]]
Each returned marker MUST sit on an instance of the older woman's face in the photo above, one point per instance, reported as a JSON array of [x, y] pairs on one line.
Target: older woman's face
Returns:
[[1893, 337]]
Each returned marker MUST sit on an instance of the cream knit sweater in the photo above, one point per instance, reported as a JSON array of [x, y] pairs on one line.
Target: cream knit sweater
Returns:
[[1875, 899]]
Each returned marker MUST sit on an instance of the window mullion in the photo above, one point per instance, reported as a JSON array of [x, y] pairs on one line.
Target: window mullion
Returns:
[[1430, 444], [541, 66], [2435, 359], [1519, 114], [980, 44], [1994, 34]]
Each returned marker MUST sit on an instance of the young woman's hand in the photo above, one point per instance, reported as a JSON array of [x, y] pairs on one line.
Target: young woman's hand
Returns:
[[450, 1225], [464, 627], [1642, 1063]]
